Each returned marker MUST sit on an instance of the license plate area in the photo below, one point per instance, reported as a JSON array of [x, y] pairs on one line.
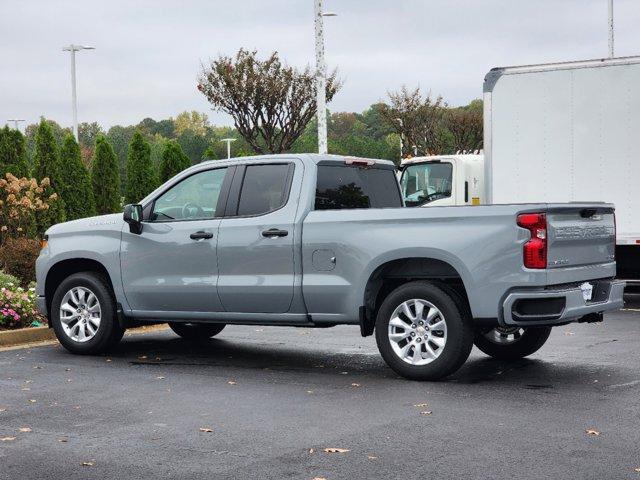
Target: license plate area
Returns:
[[599, 291]]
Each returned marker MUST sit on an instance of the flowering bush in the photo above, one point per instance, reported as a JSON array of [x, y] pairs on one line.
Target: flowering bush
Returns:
[[18, 308], [20, 199]]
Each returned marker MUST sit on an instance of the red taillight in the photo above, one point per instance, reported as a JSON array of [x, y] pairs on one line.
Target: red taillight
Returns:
[[534, 251]]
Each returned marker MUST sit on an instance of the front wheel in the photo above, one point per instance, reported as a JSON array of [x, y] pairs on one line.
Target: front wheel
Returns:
[[196, 331], [422, 332], [512, 343], [83, 314]]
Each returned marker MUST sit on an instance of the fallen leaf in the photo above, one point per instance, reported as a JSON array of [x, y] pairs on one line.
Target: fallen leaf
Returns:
[[3, 409], [355, 384], [67, 369], [159, 377], [426, 412], [309, 391], [231, 382], [595, 433], [31, 400], [7, 439], [319, 478], [371, 457], [158, 359], [69, 380], [568, 333], [336, 450], [77, 407], [344, 373], [421, 405], [25, 389], [142, 357], [637, 469], [259, 330], [28, 381], [25, 429], [303, 333], [311, 450], [108, 360], [206, 430], [63, 440], [37, 367], [87, 464]]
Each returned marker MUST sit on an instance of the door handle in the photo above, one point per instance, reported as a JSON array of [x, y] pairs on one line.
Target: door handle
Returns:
[[201, 235], [274, 232]]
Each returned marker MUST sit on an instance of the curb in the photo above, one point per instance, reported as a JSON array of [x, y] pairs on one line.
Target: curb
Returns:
[[10, 338]]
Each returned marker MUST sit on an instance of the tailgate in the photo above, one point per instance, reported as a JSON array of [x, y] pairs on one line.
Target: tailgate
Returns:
[[580, 235]]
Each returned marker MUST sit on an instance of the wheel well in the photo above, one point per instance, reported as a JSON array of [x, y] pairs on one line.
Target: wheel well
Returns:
[[389, 276], [65, 268]]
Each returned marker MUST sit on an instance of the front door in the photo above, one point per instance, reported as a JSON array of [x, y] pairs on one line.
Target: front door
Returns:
[[256, 240], [171, 267]]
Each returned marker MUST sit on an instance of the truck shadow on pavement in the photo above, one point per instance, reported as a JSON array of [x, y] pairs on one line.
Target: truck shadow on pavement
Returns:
[[235, 355]]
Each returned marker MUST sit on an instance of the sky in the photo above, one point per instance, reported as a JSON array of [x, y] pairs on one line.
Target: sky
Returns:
[[149, 53]]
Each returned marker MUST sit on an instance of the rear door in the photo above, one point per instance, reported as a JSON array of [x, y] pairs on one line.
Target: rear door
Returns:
[[256, 239]]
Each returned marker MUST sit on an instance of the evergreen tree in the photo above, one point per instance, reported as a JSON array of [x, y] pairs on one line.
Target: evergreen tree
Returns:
[[105, 177], [47, 165], [141, 178], [76, 192], [173, 161], [13, 154]]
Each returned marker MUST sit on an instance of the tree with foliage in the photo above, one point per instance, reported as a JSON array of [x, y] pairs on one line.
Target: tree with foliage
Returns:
[[47, 165], [119, 138], [270, 102], [13, 154], [197, 122], [418, 119], [105, 177], [466, 128], [77, 192], [141, 177], [173, 161]]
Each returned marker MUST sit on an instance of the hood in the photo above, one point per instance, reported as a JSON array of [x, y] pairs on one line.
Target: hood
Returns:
[[112, 221]]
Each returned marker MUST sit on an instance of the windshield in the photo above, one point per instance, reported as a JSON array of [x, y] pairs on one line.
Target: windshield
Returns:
[[426, 182]]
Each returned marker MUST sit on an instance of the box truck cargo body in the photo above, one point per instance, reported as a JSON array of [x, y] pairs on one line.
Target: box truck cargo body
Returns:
[[568, 132]]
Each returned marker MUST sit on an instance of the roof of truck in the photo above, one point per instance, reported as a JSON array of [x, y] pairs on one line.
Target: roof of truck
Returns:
[[311, 157]]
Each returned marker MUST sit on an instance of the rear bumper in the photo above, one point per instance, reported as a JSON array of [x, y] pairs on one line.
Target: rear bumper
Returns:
[[556, 306]]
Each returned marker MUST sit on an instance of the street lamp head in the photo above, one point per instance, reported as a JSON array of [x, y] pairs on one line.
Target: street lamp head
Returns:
[[329, 14], [75, 48], [228, 139]]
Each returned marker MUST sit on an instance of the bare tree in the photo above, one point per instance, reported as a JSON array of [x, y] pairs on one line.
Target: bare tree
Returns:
[[270, 102], [418, 119], [465, 127]]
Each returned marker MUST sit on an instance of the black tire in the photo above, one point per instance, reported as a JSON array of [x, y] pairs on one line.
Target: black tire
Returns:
[[530, 341], [459, 336], [196, 331], [109, 332]]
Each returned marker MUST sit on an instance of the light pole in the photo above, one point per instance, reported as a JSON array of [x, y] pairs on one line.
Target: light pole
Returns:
[[321, 77], [74, 100], [228, 140], [16, 122], [401, 129], [610, 25]]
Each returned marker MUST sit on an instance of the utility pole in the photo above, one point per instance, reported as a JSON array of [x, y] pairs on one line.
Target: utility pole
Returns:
[[74, 100], [228, 140], [321, 77], [16, 122], [401, 129], [610, 25]]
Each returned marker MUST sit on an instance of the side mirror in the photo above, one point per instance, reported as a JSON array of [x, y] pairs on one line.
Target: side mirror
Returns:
[[133, 216]]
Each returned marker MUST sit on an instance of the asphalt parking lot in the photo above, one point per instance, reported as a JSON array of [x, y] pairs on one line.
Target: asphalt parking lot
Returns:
[[275, 398]]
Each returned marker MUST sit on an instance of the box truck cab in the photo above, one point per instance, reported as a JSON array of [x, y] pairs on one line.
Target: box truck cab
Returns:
[[440, 180]]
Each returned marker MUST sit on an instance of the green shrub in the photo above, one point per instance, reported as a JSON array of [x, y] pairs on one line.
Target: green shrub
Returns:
[[76, 189], [141, 177], [13, 153], [174, 160], [47, 165], [105, 177]]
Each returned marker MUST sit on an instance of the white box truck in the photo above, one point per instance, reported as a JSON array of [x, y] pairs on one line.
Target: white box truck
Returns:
[[560, 132]]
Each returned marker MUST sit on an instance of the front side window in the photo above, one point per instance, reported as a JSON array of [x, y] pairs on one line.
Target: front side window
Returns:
[[426, 182], [194, 198], [345, 187], [264, 189]]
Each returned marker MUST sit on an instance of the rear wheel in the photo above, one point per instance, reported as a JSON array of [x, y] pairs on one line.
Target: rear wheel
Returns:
[[196, 331], [422, 332], [83, 314], [512, 343]]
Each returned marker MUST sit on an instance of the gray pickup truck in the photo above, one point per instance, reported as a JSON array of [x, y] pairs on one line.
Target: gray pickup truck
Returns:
[[321, 240]]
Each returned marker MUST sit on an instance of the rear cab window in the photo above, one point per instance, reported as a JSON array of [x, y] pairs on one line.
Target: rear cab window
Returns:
[[347, 186]]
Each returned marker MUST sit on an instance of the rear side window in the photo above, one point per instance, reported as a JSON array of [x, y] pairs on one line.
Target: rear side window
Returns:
[[344, 187], [264, 189]]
